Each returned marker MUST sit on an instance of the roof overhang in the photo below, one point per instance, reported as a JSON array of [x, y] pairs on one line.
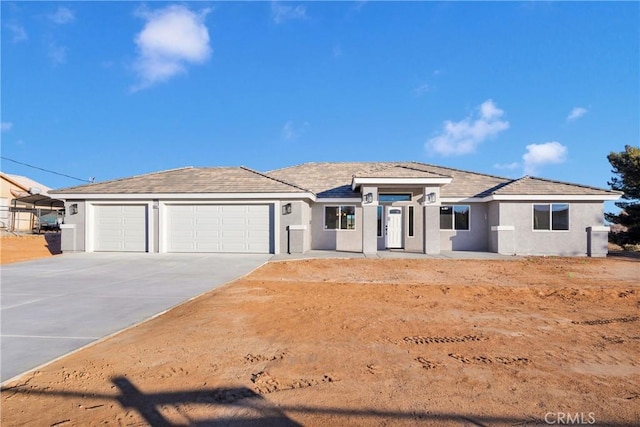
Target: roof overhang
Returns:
[[185, 196], [358, 181], [553, 197], [40, 200]]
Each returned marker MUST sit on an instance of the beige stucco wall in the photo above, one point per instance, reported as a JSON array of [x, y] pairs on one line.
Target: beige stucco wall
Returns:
[[18, 221]]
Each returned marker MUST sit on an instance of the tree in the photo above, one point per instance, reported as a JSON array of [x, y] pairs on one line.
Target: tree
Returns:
[[626, 165]]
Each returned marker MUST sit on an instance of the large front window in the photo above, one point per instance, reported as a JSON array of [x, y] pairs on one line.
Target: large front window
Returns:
[[340, 218], [551, 216], [454, 217]]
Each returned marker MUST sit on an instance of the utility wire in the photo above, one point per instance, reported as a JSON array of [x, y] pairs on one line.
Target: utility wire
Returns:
[[45, 170]]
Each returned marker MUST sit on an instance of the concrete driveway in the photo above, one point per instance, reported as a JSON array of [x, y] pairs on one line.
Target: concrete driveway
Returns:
[[56, 305]]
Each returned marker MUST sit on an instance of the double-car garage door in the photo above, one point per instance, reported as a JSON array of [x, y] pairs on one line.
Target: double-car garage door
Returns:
[[186, 228]]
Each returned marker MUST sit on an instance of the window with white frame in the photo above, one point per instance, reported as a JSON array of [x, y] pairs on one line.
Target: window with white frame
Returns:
[[551, 216], [340, 218], [455, 217]]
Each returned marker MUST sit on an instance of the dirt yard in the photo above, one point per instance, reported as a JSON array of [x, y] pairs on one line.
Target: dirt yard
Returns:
[[26, 247], [360, 342]]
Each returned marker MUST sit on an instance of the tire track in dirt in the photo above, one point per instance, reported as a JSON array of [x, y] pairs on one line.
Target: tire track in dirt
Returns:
[[441, 340], [606, 321]]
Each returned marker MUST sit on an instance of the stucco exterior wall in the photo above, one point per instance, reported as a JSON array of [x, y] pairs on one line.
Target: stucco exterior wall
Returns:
[[17, 221], [295, 226], [74, 227], [336, 240], [493, 215], [474, 239], [538, 242]]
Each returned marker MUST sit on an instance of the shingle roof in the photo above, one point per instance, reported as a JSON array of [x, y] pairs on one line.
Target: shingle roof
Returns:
[[334, 179], [529, 185], [328, 180], [190, 180], [399, 171]]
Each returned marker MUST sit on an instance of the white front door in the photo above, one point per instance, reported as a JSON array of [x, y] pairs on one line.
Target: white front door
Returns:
[[393, 227]]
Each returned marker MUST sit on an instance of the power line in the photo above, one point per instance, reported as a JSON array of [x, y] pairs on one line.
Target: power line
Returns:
[[45, 170]]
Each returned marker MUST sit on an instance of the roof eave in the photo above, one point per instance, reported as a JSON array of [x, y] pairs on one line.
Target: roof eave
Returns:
[[186, 196], [357, 181], [552, 197]]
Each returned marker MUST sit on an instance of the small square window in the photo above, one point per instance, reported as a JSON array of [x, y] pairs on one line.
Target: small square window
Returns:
[[551, 216], [454, 217]]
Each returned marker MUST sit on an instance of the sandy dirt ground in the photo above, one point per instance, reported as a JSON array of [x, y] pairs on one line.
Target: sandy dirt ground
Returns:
[[366, 342], [27, 247]]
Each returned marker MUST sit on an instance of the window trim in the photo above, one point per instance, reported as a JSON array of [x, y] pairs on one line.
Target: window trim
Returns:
[[324, 217], [453, 223], [550, 229]]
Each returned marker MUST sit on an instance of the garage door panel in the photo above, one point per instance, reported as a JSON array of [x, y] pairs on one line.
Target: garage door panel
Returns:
[[120, 228], [218, 228]]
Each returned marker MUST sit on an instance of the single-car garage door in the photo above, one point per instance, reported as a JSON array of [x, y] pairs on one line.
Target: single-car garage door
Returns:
[[218, 228], [120, 228]]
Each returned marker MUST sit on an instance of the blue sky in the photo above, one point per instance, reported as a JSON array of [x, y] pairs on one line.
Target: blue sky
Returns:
[[113, 89]]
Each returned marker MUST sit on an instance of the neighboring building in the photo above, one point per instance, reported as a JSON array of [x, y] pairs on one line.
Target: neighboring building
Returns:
[[358, 207], [21, 200]]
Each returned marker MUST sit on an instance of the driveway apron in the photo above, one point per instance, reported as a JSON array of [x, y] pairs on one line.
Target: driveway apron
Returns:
[[53, 306]]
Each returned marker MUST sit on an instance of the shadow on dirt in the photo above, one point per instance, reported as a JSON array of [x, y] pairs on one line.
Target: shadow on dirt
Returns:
[[259, 410], [629, 255]]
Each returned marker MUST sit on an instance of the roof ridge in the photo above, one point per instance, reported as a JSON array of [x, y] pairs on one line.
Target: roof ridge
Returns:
[[420, 170], [461, 170], [590, 187], [276, 179]]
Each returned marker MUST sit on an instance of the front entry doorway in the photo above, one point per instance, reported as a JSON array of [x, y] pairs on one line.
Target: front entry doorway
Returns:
[[393, 227]]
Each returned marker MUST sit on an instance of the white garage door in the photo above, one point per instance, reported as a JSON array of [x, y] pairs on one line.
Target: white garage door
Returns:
[[120, 228], [218, 228]]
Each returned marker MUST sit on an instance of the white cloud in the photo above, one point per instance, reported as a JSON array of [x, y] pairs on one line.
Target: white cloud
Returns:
[[464, 136], [171, 38], [6, 126], [291, 132], [541, 154], [281, 13], [57, 53], [507, 166], [19, 33], [421, 89], [62, 16], [576, 113]]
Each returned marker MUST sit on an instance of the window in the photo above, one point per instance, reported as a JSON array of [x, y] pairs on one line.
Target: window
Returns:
[[402, 197], [340, 218], [551, 216], [380, 221], [410, 221], [454, 217]]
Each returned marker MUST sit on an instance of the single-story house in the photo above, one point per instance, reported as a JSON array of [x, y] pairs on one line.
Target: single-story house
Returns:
[[22, 201], [349, 206]]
